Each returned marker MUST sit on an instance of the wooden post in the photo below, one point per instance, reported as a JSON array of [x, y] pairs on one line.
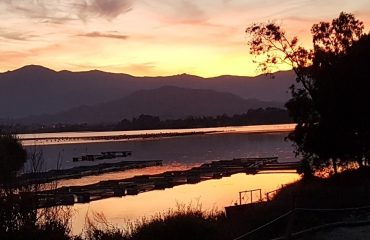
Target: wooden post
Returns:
[[260, 195]]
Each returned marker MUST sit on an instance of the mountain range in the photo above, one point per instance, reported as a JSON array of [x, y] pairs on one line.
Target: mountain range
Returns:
[[165, 102], [37, 93]]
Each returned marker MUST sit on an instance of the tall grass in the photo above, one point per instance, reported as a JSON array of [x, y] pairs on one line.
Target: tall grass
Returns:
[[186, 221]]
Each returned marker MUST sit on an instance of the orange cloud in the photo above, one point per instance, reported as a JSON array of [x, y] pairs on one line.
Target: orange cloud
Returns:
[[152, 37]]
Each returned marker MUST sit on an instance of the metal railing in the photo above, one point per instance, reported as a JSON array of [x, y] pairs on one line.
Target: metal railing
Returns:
[[302, 221], [246, 195], [243, 195]]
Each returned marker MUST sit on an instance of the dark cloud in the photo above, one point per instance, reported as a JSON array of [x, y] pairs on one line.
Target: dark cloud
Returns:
[[189, 10], [104, 35], [14, 35], [108, 9], [57, 11], [181, 12], [52, 11], [57, 20], [31, 8]]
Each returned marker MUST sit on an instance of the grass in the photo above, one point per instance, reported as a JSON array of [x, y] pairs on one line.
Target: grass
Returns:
[[184, 222], [348, 189]]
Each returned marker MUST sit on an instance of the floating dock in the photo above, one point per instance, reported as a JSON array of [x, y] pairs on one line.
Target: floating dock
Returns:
[[103, 156], [169, 179], [83, 171]]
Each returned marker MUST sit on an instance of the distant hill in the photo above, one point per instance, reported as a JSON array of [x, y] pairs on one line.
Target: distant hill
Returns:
[[35, 90], [166, 102]]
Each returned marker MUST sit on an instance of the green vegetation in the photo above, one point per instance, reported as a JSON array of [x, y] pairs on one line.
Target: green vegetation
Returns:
[[330, 100]]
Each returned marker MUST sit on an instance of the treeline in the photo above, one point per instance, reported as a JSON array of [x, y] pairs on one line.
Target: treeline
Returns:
[[145, 122], [252, 117]]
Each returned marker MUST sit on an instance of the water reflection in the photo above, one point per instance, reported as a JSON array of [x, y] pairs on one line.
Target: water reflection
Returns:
[[84, 137], [177, 153], [210, 194], [188, 150], [123, 174]]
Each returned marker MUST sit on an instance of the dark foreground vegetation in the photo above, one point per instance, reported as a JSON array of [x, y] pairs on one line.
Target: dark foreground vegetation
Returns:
[[330, 100], [146, 122], [330, 104], [187, 222], [19, 218], [344, 190]]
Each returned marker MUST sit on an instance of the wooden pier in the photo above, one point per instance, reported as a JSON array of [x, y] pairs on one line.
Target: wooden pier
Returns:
[[103, 156], [169, 179], [82, 171]]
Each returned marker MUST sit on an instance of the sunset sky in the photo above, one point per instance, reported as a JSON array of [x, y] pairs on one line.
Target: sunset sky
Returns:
[[152, 37]]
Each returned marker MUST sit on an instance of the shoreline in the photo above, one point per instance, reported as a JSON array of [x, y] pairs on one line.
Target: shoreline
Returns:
[[116, 136]]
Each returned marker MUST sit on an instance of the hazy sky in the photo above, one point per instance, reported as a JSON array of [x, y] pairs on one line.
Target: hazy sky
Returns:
[[152, 37]]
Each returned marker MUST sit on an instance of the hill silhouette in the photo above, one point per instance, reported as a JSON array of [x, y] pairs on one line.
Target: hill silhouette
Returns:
[[35, 90], [166, 102]]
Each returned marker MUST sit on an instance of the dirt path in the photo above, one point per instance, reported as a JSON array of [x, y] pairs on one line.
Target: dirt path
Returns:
[[342, 233]]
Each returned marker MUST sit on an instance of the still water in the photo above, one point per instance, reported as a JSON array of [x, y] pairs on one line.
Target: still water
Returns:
[[251, 141], [177, 153], [211, 195], [79, 137]]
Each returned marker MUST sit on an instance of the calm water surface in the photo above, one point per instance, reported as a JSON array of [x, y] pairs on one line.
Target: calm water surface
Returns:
[[177, 153], [211, 194], [184, 150], [80, 137]]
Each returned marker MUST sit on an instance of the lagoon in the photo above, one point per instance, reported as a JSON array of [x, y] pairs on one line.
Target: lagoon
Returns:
[[223, 143], [177, 153], [210, 195]]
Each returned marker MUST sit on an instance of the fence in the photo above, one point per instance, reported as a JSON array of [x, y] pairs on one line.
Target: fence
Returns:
[[255, 195], [302, 221]]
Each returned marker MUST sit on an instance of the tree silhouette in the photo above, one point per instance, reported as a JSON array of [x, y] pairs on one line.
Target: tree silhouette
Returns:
[[12, 157], [19, 217], [330, 101]]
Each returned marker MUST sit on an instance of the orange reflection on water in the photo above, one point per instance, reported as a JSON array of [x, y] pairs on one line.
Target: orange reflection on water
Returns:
[[139, 135], [210, 194], [124, 174]]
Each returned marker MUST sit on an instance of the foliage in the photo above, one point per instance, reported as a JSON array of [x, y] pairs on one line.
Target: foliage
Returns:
[[99, 228], [329, 101], [19, 217], [267, 115], [12, 157], [253, 116], [184, 222]]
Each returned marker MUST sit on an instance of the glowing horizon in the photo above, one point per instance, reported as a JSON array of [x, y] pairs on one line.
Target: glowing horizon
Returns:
[[152, 37]]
